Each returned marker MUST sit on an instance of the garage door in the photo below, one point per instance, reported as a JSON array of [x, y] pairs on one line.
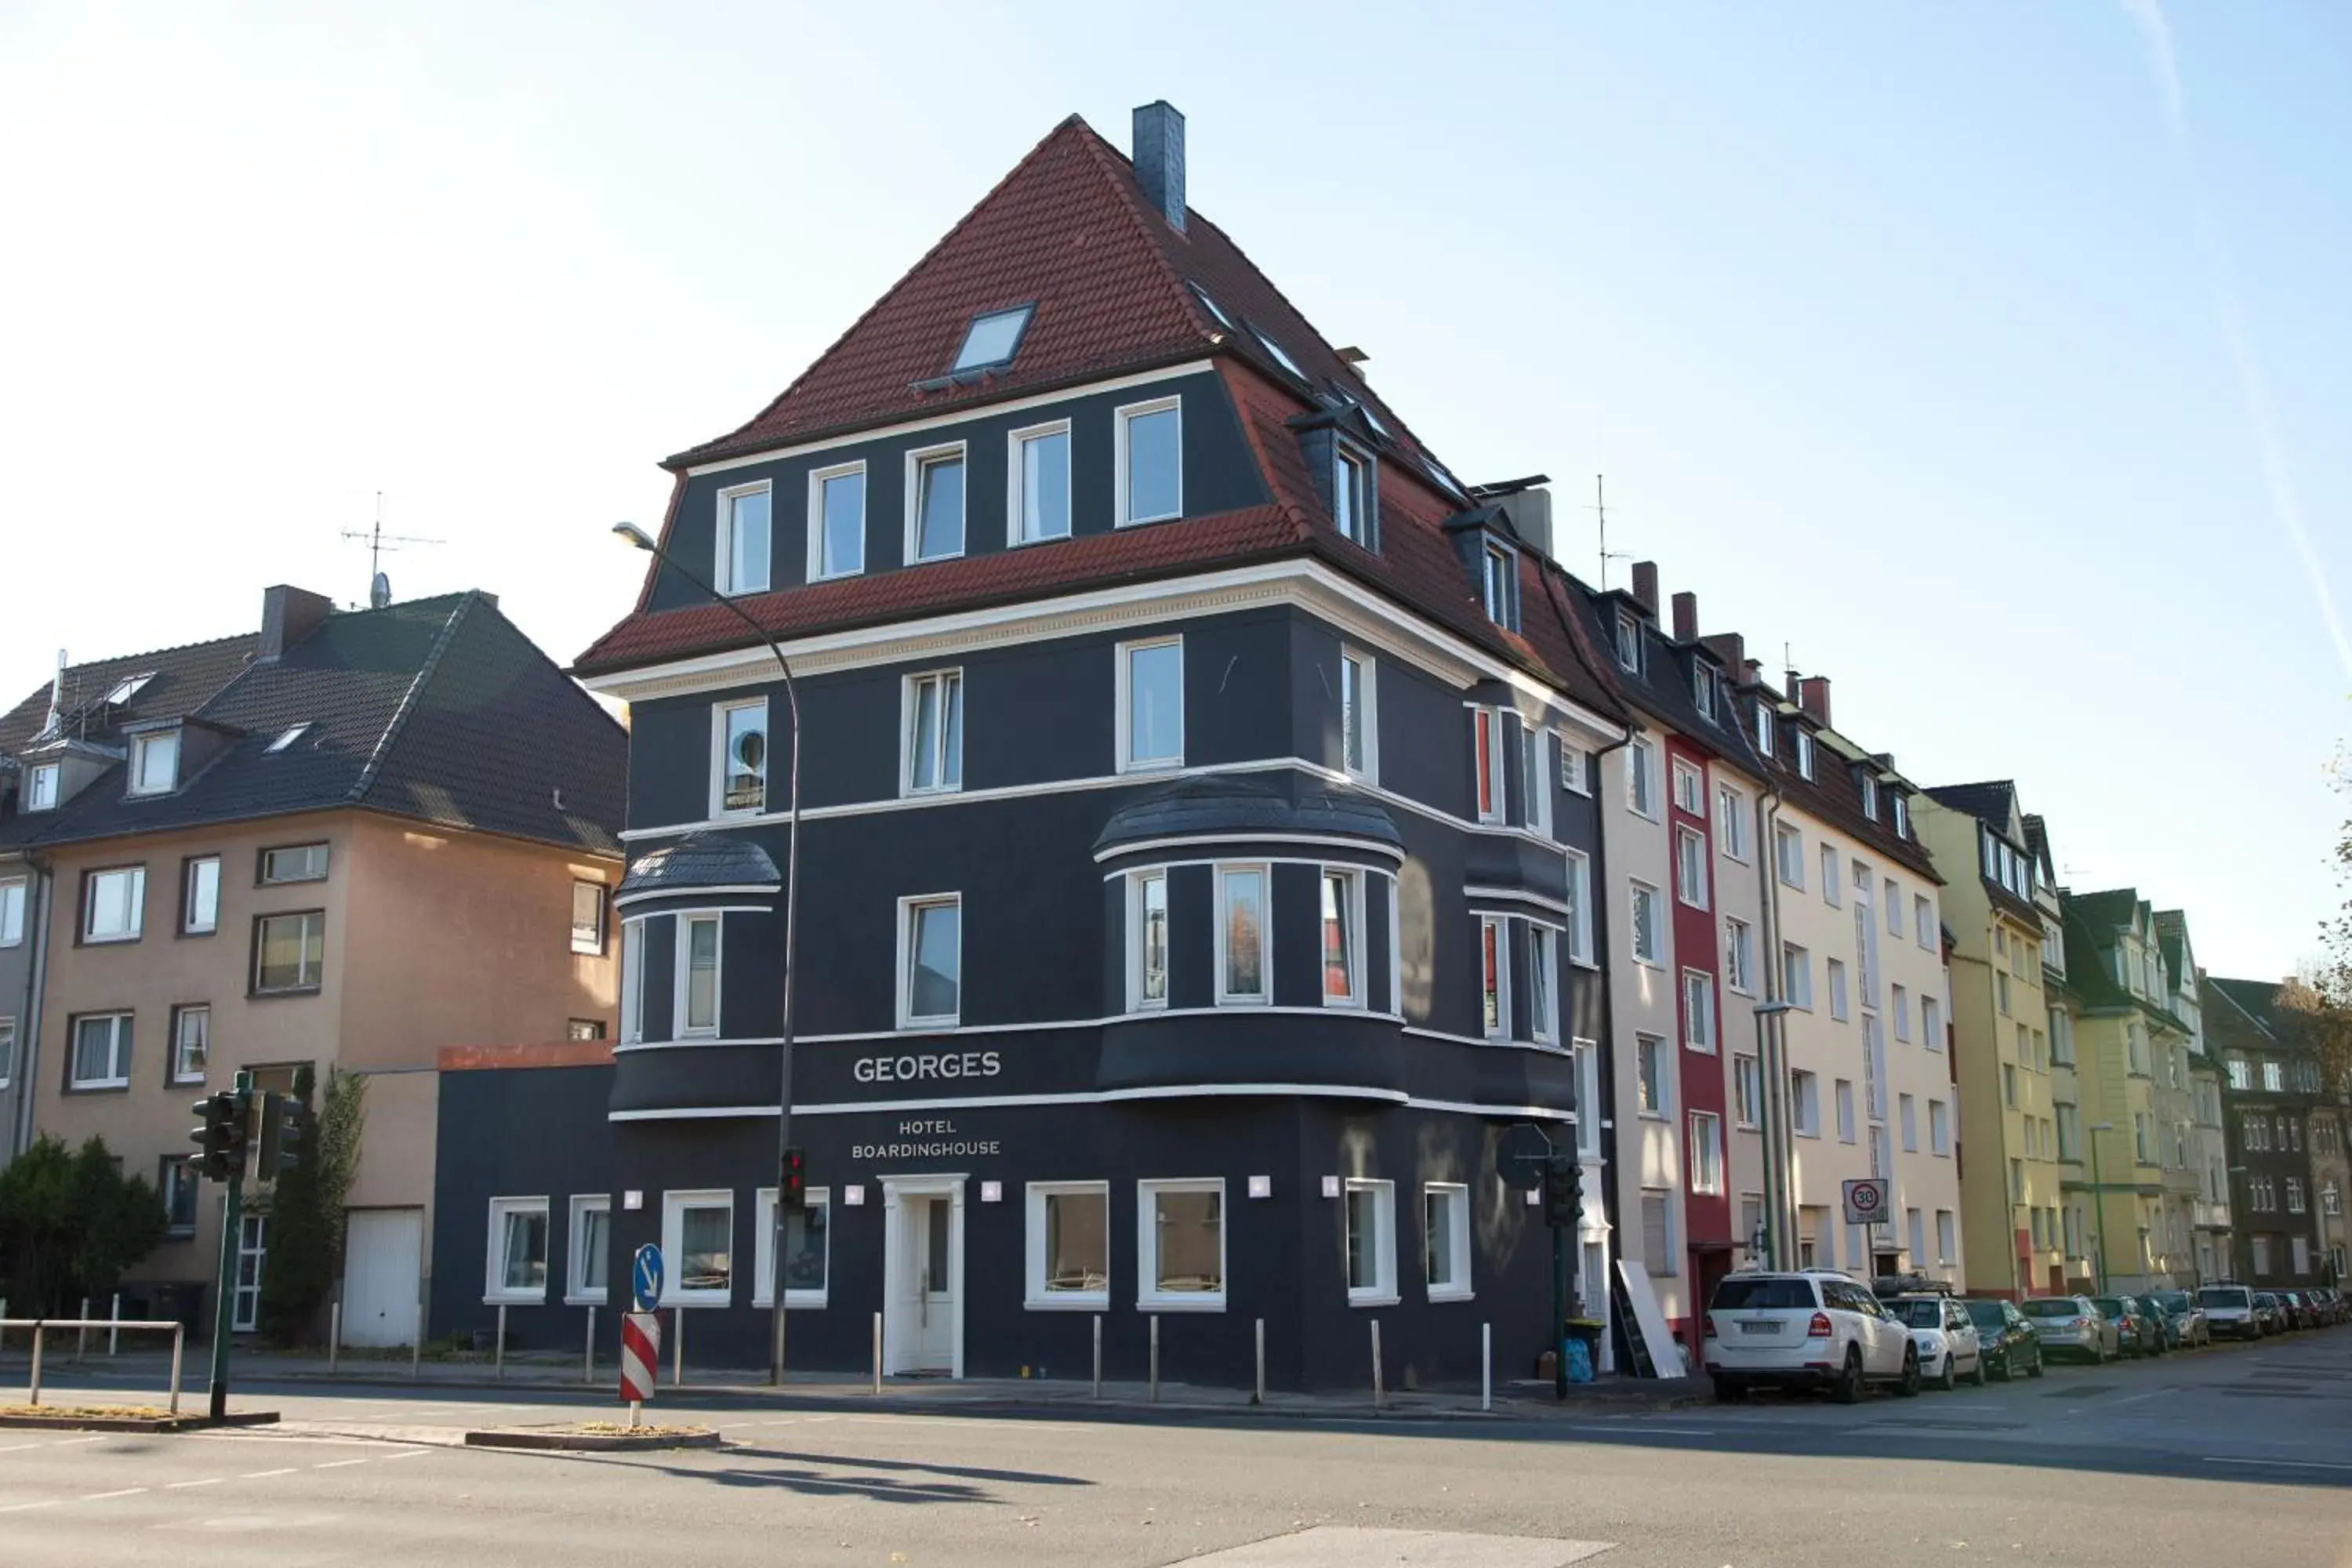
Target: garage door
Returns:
[[383, 1253]]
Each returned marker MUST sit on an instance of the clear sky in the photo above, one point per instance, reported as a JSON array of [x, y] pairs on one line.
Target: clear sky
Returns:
[[1992, 357]]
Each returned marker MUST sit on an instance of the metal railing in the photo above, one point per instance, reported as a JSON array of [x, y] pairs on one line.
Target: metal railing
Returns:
[[41, 1327]]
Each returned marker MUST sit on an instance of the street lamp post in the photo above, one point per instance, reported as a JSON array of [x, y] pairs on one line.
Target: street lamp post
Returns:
[[638, 538], [2099, 1210]]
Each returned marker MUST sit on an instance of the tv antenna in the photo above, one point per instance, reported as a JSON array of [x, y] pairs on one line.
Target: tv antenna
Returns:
[[378, 541], [1601, 507]]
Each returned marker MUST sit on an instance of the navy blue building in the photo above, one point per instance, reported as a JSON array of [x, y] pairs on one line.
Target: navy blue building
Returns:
[[1197, 847]]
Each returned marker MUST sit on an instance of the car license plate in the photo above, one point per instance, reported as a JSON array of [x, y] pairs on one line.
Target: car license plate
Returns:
[[1766, 1326]]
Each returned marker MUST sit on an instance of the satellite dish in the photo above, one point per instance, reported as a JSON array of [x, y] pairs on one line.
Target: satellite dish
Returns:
[[379, 591]]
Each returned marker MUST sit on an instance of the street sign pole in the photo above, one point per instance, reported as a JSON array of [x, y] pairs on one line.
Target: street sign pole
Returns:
[[1558, 1312], [225, 1284]]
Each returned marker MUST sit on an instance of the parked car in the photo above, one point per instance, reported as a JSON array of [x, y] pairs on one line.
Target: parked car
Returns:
[[2230, 1312], [2299, 1311], [2006, 1337], [2183, 1317], [2331, 1305], [2131, 1325], [1946, 1337], [2270, 1311], [2073, 1325], [1814, 1327]]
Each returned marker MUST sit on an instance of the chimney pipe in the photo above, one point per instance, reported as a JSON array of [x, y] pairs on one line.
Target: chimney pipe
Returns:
[[1686, 617], [1813, 699], [1645, 585], [288, 616], [56, 697], [1158, 159]]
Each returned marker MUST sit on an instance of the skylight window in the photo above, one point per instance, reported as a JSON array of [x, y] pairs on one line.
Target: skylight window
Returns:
[[1280, 358], [1212, 306], [1371, 420], [992, 339], [128, 687], [288, 739]]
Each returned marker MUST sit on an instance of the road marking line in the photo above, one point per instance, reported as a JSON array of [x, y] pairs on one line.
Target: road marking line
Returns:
[[54, 1442], [338, 1464], [407, 1454], [264, 1475], [1683, 1431], [182, 1486], [101, 1497], [21, 1507], [2298, 1464]]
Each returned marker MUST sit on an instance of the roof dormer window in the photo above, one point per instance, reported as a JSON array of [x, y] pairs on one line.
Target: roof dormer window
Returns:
[[156, 763], [1703, 690], [1280, 357], [1763, 727], [1869, 793], [1352, 493], [1501, 585], [1629, 644], [993, 339], [1805, 752], [1902, 814], [1211, 306], [41, 787]]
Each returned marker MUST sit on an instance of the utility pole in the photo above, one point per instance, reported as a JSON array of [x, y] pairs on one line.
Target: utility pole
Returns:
[[232, 1172]]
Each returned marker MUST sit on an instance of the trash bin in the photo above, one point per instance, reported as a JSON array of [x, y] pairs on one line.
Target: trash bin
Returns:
[[1586, 1332]]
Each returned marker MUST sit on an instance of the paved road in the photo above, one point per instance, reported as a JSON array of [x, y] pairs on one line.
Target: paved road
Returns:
[[2224, 1457]]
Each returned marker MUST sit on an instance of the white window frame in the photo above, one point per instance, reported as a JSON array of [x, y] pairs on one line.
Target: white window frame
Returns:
[[7, 1051], [1641, 779], [1731, 830], [1797, 976], [593, 947], [1352, 478], [141, 747], [683, 978], [1489, 794], [1687, 789], [496, 1291], [1653, 930], [1804, 1112], [178, 1063], [1036, 1295], [1122, 417], [1694, 872], [326, 861], [1575, 771], [1766, 722], [14, 895], [722, 562], [1015, 469], [1128, 762], [1907, 1123], [118, 1051], [1698, 1012], [1137, 1002], [909, 697], [1148, 1294], [1747, 1090], [1535, 779], [135, 910], [1899, 1002], [1457, 1286], [720, 712], [1367, 713], [1833, 977], [917, 460], [1496, 929], [1544, 982], [1832, 892], [1738, 955], [1627, 643], [633, 980], [816, 483], [1804, 752], [576, 1292], [42, 780], [1382, 1291], [675, 1203], [1500, 558], [1923, 919], [1352, 879], [1221, 933], [764, 1251], [909, 908], [1580, 910], [1653, 1049], [191, 880], [1705, 1132], [1939, 1127], [1785, 834]]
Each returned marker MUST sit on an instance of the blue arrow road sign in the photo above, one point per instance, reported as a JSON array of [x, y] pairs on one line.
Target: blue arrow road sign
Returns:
[[645, 1277]]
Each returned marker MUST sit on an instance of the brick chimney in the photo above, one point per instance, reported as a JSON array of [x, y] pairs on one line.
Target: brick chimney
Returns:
[[1813, 699], [288, 616], [1645, 585], [1732, 649], [1686, 617]]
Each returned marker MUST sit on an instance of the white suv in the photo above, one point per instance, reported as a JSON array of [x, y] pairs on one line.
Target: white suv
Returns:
[[1813, 1328]]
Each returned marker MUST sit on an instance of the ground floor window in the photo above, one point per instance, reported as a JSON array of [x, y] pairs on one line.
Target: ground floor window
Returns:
[[1180, 1243], [1371, 1243], [1446, 1240], [176, 1180], [517, 1263], [808, 1250], [592, 1239], [1069, 1244], [698, 1249]]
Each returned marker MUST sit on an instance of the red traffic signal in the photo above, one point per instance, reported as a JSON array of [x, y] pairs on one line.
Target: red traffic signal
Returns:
[[792, 1183]]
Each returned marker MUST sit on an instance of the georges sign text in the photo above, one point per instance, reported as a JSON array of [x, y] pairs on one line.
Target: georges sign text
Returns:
[[925, 1141], [913, 1068]]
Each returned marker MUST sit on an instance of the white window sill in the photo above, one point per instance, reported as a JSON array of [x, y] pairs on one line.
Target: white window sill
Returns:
[[99, 1083], [1140, 521], [1344, 1003], [1704, 1050], [924, 792], [838, 574], [1658, 1116], [1746, 1126], [1203, 1304], [929, 1025], [1583, 962], [1648, 962], [1151, 765], [1814, 1132], [1440, 1293], [739, 812], [698, 1299], [1069, 1301], [1369, 1299], [595, 1300], [794, 1302], [88, 940], [1258, 1000], [1040, 539], [179, 1080], [514, 1298]]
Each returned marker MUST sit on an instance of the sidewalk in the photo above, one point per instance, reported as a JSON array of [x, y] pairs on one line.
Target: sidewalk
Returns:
[[1517, 1401]]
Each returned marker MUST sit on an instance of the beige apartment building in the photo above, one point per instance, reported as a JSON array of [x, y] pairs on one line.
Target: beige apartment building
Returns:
[[347, 840]]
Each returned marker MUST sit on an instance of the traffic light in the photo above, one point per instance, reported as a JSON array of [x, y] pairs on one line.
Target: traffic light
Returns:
[[1563, 1192], [220, 1139], [285, 1128], [791, 1184]]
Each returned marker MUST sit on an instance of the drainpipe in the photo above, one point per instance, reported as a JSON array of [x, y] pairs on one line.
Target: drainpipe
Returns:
[[28, 1038], [1771, 1039]]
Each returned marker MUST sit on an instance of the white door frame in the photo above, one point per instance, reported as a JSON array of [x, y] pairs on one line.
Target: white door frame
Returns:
[[894, 1188]]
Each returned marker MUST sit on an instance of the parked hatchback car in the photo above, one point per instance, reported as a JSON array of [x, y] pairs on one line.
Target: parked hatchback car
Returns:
[[1809, 1329], [2006, 1338], [2182, 1316], [2131, 1328], [2230, 1312], [2073, 1325], [1945, 1338], [2269, 1311]]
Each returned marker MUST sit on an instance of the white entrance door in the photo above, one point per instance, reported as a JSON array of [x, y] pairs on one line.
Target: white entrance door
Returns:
[[383, 1255], [925, 1246]]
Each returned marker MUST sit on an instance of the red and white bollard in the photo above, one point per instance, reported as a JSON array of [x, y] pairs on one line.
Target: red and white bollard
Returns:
[[640, 1355]]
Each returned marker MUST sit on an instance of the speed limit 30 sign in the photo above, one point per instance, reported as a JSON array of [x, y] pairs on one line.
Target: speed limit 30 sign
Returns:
[[1865, 1201]]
